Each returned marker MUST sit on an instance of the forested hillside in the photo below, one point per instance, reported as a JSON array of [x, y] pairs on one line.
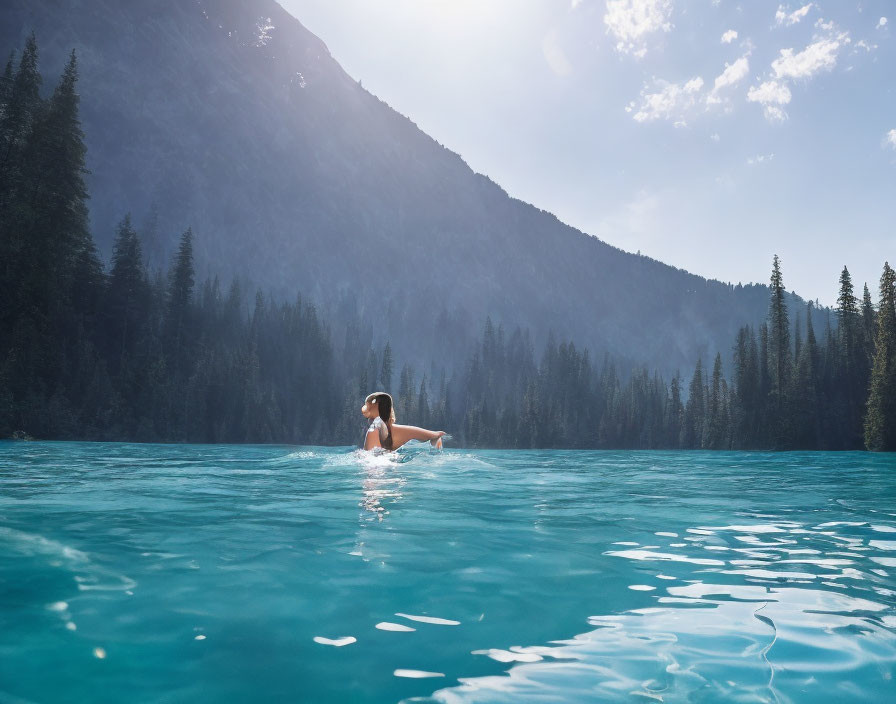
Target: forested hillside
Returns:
[[135, 352], [229, 117]]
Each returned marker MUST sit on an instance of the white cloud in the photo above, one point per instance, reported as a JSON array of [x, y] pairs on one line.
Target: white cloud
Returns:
[[890, 139], [715, 137], [770, 92], [668, 101], [862, 44], [732, 74], [576, 3], [882, 23], [771, 95], [729, 36], [775, 114], [760, 158], [782, 17], [631, 21], [676, 102], [820, 55]]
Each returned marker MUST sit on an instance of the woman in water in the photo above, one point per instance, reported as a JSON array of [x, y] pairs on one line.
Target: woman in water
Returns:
[[385, 432]]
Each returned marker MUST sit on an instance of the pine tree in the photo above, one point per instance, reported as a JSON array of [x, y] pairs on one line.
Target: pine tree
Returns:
[[675, 413], [880, 421], [6, 80], [178, 310], [59, 230], [423, 414], [866, 345], [779, 360], [851, 372], [386, 369], [805, 394], [868, 324], [765, 410], [746, 406], [847, 315], [717, 412], [695, 412], [128, 292], [406, 393], [20, 110], [371, 371]]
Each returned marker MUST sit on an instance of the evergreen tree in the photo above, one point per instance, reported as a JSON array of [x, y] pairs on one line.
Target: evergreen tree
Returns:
[[179, 299], [779, 361], [763, 435], [405, 398], [59, 225], [694, 414], [717, 411], [128, 293], [805, 406], [423, 412], [386, 369], [851, 370], [21, 108], [6, 80], [675, 414], [880, 422], [746, 406], [868, 328]]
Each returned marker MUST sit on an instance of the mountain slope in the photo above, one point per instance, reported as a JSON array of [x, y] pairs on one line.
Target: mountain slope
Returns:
[[231, 117]]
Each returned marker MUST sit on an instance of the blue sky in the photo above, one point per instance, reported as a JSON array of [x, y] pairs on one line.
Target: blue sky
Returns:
[[709, 134]]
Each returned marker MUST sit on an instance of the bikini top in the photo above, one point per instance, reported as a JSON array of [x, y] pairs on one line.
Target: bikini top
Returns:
[[379, 425]]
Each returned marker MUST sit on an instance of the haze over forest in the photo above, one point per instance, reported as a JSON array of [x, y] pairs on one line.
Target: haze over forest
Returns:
[[139, 350], [231, 118]]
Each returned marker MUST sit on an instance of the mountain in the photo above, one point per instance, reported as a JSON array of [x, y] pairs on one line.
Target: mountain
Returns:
[[229, 116]]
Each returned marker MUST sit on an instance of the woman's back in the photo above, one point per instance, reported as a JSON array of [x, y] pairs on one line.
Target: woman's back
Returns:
[[379, 426]]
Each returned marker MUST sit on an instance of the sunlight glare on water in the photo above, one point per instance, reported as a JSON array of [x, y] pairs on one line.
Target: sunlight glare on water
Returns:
[[237, 573]]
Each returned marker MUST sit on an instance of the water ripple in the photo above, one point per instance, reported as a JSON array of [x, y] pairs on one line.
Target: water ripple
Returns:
[[220, 573]]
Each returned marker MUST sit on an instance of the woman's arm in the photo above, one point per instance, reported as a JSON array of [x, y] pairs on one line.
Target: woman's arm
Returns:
[[402, 433]]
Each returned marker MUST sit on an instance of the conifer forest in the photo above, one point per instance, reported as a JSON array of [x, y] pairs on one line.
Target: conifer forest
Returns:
[[128, 350]]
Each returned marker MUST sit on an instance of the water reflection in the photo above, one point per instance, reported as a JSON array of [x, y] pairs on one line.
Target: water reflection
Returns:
[[381, 485], [752, 611]]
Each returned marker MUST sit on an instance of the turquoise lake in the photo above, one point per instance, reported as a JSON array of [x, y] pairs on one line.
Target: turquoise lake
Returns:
[[199, 573]]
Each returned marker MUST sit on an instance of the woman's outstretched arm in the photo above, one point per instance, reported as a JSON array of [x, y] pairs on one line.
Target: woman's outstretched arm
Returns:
[[402, 433], [415, 433]]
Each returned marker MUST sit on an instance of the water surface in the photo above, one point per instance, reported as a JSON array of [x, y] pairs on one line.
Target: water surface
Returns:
[[148, 573]]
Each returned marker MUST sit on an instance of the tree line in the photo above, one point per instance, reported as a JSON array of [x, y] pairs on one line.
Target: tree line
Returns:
[[131, 352], [787, 390]]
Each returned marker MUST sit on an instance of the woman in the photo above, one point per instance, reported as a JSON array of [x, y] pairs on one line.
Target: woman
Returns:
[[385, 432]]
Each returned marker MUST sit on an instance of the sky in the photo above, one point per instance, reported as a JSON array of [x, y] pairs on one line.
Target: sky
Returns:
[[708, 134]]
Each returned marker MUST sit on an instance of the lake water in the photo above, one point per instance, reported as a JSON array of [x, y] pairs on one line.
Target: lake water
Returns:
[[149, 573]]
